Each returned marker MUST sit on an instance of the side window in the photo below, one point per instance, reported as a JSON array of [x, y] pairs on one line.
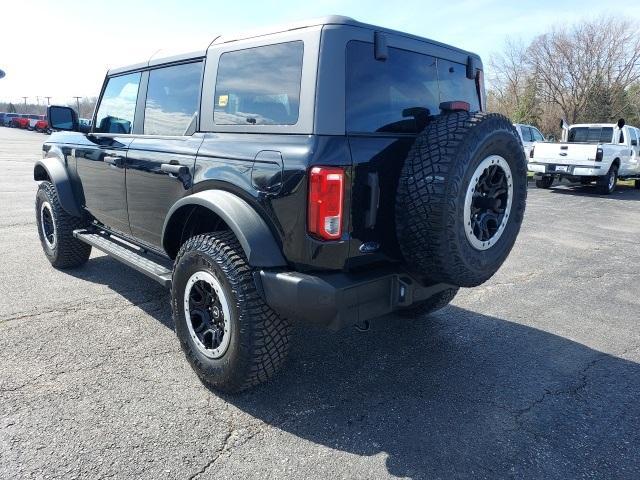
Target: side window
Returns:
[[526, 133], [454, 84], [634, 135], [537, 136], [118, 105], [259, 86], [172, 99]]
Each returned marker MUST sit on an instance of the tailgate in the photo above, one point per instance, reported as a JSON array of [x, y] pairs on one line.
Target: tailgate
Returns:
[[565, 153]]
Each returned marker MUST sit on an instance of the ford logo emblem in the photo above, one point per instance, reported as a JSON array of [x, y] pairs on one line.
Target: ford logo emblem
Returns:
[[369, 247]]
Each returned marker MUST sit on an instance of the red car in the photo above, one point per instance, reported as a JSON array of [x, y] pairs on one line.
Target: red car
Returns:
[[41, 126], [20, 122]]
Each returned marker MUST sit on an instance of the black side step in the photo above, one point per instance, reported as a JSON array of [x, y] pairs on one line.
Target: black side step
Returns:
[[127, 253]]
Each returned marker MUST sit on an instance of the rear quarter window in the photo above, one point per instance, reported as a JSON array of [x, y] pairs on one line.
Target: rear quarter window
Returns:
[[395, 95], [259, 86]]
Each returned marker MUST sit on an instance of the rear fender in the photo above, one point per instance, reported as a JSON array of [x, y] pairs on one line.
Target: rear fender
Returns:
[[249, 227]]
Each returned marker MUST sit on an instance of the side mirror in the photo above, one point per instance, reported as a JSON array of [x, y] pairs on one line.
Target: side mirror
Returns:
[[62, 118]]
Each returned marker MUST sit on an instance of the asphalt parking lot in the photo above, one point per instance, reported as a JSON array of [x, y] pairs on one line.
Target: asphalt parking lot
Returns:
[[535, 374]]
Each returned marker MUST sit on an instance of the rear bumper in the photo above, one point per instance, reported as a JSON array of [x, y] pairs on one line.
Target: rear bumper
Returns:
[[337, 300], [566, 170]]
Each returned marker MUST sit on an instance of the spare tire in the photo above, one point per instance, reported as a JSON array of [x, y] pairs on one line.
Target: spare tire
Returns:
[[461, 197]]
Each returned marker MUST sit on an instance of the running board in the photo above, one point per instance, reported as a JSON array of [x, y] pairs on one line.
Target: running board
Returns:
[[127, 253]]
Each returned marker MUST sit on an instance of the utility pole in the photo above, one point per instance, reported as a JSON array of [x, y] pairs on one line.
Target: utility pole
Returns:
[[78, 104], [48, 98], [25, 104]]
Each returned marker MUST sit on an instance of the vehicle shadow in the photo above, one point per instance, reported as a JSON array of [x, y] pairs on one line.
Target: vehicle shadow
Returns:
[[137, 288], [458, 395], [622, 192]]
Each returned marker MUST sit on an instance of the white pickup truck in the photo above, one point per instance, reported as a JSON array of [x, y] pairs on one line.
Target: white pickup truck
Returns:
[[599, 152]]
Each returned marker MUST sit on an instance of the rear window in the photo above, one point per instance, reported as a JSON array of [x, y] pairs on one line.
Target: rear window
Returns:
[[591, 134], [395, 95], [259, 86]]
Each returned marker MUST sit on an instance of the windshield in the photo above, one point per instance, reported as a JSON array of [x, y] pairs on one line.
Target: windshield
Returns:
[[590, 135]]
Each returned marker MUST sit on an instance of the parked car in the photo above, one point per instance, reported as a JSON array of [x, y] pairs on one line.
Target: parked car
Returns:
[[337, 172], [42, 126], [594, 152], [33, 119], [529, 135], [2, 114], [21, 121], [84, 123], [8, 117]]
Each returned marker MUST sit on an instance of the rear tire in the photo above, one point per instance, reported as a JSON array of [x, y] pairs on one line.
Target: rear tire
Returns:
[[231, 337], [429, 305], [636, 184], [544, 182], [607, 183], [55, 228]]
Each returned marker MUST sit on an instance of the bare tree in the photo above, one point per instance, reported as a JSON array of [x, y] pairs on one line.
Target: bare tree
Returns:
[[573, 64]]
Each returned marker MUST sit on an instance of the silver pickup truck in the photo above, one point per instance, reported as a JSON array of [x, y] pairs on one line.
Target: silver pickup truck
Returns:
[[600, 153]]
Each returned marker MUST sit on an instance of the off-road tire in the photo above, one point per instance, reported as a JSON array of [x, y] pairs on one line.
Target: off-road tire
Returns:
[[636, 184], [603, 183], [431, 196], [68, 251], [429, 305], [259, 340], [544, 182]]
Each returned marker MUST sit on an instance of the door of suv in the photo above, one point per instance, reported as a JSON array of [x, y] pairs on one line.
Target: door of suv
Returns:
[[160, 162], [101, 160]]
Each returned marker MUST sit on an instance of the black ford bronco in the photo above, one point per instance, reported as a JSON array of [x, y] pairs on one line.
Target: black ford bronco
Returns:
[[326, 173]]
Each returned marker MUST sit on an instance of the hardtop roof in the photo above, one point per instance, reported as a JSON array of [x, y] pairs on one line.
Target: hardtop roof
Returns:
[[168, 56]]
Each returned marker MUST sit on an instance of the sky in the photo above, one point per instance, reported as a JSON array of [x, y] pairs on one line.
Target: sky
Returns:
[[62, 48]]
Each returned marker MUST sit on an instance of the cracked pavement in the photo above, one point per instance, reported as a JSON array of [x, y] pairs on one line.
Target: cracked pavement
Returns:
[[532, 375]]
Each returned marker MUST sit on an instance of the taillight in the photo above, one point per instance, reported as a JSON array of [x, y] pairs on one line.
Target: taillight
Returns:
[[481, 90], [324, 216], [531, 151], [599, 155]]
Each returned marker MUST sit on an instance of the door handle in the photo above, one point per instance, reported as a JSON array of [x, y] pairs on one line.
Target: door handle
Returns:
[[174, 169], [115, 161]]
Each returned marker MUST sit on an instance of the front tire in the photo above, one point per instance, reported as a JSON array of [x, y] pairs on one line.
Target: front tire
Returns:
[[55, 228], [231, 337]]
